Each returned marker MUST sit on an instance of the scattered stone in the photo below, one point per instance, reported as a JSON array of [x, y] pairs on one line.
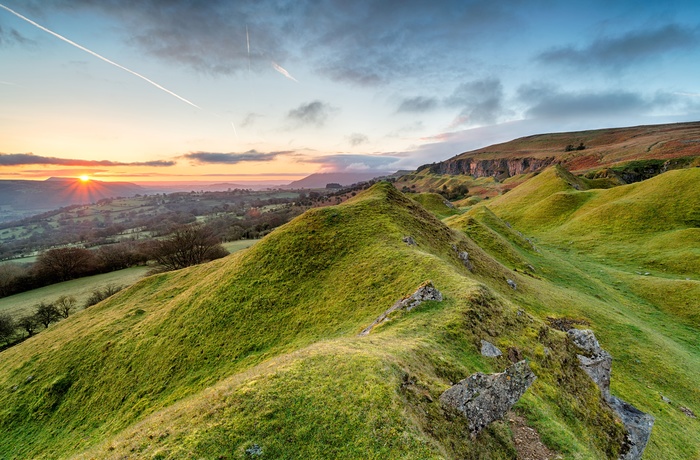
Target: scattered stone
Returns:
[[483, 399], [449, 204], [514, 354], [687, 412], [425, 291], [665, 399], [29, 379], [512, 283], [254, 451], [489, 350], [409, 241], [464, 257], [598, 366]]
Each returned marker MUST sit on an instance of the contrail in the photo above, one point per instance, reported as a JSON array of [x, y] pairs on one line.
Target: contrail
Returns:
[[281, 70], [247, 42], [234, 130], [61, 37]]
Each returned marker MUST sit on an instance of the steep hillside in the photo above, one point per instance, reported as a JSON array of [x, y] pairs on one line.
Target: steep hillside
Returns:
[[258, 354], [623, 154]]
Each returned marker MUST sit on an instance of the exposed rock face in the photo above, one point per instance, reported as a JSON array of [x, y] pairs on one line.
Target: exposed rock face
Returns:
[[425, 291], [483, 399], [598, 366], [490, 350], [512, 283], [598, 363], [500, 167]]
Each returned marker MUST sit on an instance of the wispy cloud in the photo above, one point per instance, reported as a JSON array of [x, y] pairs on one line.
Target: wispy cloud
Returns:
[[312, 113], [19, 159], [356, 139], [232, 158], [481, 102], [621, 51], [418, 104]]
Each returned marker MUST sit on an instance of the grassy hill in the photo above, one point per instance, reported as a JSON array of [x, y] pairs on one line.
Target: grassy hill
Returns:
[[259, 352]]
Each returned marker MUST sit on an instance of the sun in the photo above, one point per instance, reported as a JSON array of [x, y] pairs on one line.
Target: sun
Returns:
[[84, 178]]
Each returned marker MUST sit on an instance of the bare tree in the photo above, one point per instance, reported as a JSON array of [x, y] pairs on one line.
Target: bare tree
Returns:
[[64, 305], [188, 245], [65, 263], [9, 273], [7, 328], [46, 314], [29, 323]]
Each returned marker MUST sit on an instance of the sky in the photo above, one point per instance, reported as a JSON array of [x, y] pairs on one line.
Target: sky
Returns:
[[220, 90]]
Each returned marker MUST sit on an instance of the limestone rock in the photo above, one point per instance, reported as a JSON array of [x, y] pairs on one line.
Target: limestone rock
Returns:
[[464, 257], [598, 366], [483, 398], [409, 241], [512, 283], [425, 291], [490, 350], [638, 425]]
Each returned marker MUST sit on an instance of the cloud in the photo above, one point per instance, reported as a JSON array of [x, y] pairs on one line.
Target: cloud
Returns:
[[11, 37], [249, 119], [417, 104], [481, 102], [232, 158], [363, 42], [356, 139], [548, 102], [19, 159], [619, 52], [353, 162], [312, 113]]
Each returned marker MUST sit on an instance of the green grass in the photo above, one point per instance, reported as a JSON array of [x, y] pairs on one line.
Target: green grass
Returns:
[[21, 304], [261, 349]]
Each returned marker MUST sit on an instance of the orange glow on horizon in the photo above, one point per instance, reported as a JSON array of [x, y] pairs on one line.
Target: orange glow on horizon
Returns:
[[84, 178]]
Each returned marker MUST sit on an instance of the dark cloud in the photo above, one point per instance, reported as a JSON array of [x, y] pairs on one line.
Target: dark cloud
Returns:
[[481, 101], [418, 104], [232, 158], [312, 113], [548, 102], [11, 37], [356, 139], [362, 42], [19, 159], [618, 52]]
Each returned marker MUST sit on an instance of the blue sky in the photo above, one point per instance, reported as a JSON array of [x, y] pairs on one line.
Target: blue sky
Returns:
[[369, 85]]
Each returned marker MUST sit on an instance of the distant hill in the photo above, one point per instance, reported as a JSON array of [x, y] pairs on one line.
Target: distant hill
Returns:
[[630, 154], [22, 198], [320, 180]]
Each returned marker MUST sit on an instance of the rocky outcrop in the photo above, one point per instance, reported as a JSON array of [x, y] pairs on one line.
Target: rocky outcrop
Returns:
[[464, 257], [483, 398], [409, 241], [597, 363], [425, 291], [489, 350], [499, 168]]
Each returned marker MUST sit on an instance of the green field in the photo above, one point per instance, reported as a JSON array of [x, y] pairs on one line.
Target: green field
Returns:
[[259, 351]]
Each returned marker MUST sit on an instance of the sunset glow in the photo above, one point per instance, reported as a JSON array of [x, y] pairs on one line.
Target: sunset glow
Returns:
[[383, 95], [84, 178]]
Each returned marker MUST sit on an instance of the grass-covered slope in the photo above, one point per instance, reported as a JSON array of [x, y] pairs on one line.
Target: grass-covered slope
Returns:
[[259, 352], [651, 225]]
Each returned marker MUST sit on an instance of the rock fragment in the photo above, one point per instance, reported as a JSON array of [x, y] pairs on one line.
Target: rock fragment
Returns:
[[489, 350], [483, 398], [425, 291]]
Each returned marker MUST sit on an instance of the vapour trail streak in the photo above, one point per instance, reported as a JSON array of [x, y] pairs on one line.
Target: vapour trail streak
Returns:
[[283, 71], [247, 42], [61, 37]]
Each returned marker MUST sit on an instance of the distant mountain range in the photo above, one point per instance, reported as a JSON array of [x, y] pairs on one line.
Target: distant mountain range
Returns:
[[23, 198], [320, 180]]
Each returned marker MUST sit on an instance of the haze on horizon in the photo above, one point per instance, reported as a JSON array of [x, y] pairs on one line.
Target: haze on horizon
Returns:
[[276, 90]]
